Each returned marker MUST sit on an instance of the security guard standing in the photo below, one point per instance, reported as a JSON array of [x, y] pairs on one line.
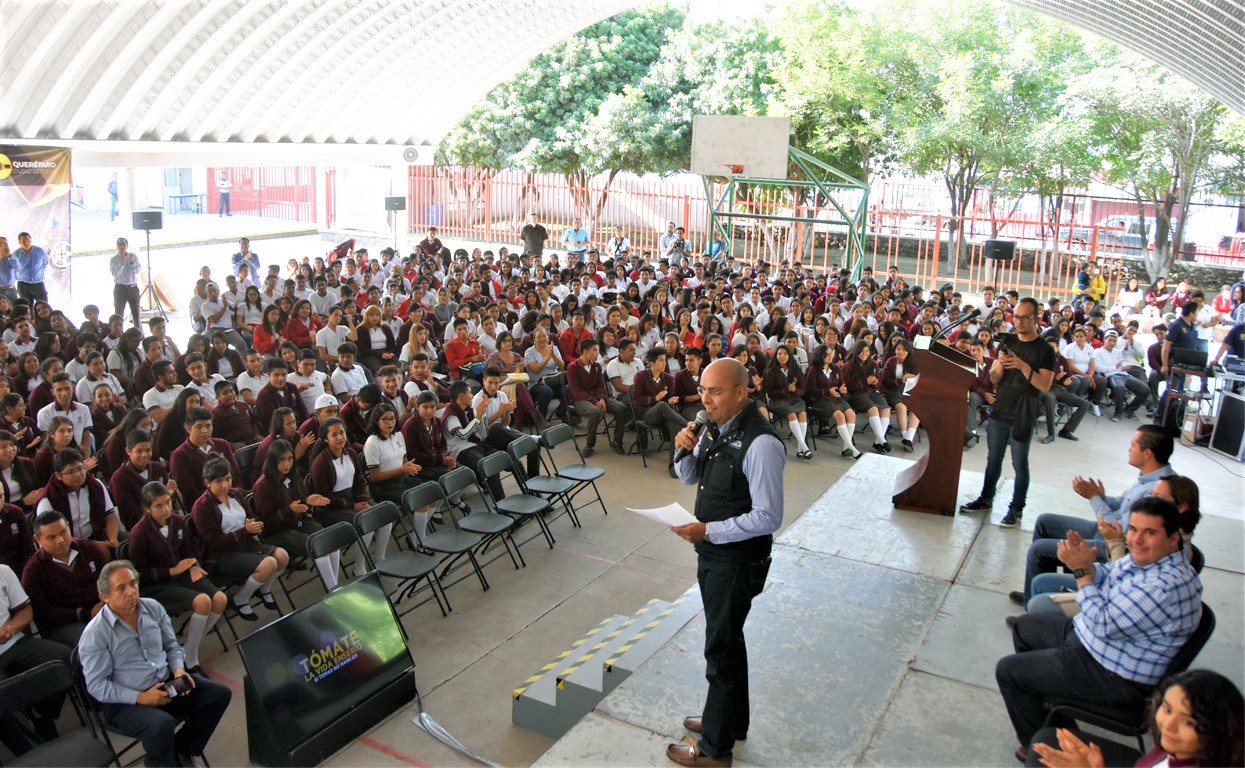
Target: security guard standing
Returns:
[[737, 464]]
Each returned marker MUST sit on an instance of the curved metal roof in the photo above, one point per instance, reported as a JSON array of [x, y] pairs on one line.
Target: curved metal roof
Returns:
[[392, 71], [324, 71], [1200, 40]]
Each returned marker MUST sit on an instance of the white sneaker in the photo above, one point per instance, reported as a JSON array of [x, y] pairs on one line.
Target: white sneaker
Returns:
[[1097, 411]]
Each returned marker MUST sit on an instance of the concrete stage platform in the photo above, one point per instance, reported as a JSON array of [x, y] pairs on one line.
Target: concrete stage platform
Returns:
[[874, 642]]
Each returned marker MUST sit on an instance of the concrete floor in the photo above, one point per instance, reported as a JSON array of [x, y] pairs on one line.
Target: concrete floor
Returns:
[[880, 628], [901, 614]]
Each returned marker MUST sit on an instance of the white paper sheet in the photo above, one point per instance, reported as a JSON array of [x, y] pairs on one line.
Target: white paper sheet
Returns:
[[671, 514]]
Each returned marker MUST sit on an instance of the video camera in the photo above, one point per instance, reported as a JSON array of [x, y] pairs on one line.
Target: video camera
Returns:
[[1004, 340]]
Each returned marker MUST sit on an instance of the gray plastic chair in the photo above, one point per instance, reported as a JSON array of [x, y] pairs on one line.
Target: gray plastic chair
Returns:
[[455, 543], [406, 568]]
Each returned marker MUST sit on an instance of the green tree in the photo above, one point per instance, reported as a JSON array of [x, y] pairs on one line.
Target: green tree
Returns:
[[1158, 135], [538, 121], [989, 75]]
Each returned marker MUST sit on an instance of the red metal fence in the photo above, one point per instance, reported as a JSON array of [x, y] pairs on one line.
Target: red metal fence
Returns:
[[287, 193], [906, 225]]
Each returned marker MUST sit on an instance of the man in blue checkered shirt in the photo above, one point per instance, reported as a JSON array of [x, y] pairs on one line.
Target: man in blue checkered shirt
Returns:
[[1136, 614]]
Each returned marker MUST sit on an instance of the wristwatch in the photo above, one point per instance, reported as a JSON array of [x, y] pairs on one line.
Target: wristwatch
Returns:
[[1081, 573]]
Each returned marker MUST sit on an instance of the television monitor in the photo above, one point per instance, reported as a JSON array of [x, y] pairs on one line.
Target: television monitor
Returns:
[[311, 668]]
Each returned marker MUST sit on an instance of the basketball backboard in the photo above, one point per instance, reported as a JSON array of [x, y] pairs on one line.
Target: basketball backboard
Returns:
[[734, 145]]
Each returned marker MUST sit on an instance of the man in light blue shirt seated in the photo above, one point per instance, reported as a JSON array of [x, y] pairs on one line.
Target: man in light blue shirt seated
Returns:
[[1149, 452], [134, 668]]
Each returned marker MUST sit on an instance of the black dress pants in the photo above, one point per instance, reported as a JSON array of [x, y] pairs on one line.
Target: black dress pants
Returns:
[[199, 712], [728, 582], [1051, 666]]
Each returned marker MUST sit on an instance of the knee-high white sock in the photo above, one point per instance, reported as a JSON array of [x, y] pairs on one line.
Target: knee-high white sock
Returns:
[[327, 566], [195, 629], [382, 542], [797, 429], [909, 434], [879, 429], [243, 597], [213, 617], [360, 561], [266, 587], [421, 521], [845, 434]]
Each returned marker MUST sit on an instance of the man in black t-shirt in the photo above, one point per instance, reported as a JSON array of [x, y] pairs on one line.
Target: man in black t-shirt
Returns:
[[1021, 373], [534, 236], [1181, 334]]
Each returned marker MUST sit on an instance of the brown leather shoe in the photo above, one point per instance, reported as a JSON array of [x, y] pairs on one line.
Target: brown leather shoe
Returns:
[[693, 723], [689, 755]]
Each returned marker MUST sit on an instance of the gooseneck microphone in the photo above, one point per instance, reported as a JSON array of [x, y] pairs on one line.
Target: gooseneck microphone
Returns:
[[698, 428]]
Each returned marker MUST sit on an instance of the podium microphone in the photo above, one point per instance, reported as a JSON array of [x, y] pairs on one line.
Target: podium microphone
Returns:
[[963, 320], [702, 419]]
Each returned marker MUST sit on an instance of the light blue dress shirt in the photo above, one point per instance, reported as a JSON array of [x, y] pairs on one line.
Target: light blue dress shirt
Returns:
[[119, 663], [763, 466]]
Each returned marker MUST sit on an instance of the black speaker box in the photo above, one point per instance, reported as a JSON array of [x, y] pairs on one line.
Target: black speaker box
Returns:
[[1229, 435], [395, 203], [999, 250], [148, 219]]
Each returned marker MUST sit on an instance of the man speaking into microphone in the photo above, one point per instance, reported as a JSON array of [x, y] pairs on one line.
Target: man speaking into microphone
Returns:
[[737, 462]]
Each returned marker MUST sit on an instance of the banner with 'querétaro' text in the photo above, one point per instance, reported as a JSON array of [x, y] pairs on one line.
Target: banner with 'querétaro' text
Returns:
[[34, 197]]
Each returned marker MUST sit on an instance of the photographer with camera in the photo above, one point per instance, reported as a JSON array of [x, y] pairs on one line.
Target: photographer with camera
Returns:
[[1023, 370]]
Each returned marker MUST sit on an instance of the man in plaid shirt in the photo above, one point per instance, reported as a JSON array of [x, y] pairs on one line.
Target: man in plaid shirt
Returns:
[[1136, 614]]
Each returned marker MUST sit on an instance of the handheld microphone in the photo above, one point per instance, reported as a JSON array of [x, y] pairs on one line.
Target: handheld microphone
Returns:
[[702, 420]]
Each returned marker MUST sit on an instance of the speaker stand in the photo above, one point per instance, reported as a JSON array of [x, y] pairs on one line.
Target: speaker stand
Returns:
[[150, 291]]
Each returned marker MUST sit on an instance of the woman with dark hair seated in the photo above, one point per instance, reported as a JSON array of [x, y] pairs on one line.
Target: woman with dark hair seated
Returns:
[[1197, 717], [172, 429], [57, 438], [897, 371], [340, 474], [113, 450], [860, 376], [784, 390], [161, 551], [823, 391], [756, 390], [390, 472], [13, 419], [228, 537], [282, 504], [17, 475]]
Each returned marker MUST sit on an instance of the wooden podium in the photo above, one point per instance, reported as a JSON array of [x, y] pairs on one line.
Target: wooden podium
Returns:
[[940, 401]]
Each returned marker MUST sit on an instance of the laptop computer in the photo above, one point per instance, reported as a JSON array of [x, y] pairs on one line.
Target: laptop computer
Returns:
[[1188, 358]]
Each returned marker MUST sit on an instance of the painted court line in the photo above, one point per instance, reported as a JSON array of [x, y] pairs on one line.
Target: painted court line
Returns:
[[396, 754]]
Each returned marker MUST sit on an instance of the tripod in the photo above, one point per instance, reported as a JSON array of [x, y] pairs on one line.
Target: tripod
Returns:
[[150, 291]]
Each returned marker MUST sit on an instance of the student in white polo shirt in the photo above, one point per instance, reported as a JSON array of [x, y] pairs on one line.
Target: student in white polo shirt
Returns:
[[20, 652], [160, 398], [63, 405]]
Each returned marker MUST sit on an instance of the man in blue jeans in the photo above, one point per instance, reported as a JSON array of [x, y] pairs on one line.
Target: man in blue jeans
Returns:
[[1024, 369], [1149, 452]]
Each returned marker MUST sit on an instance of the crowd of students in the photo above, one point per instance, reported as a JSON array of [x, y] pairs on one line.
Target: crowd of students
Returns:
[[357, 377]]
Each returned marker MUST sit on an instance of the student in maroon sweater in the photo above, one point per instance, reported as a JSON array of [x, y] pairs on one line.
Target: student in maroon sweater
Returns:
[[17, 541], [13, 418], [284, 427], [339, 474], [282, 504], [897, 371], [823, 394], [687, 383], [60, 578], [139, 468], [356, 412], [585, 382], [783, 386], [228, 537], [654, 400], [17, 476], [187, 462], [161, 551], [278, 393], [82, 499], [231, 418]]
